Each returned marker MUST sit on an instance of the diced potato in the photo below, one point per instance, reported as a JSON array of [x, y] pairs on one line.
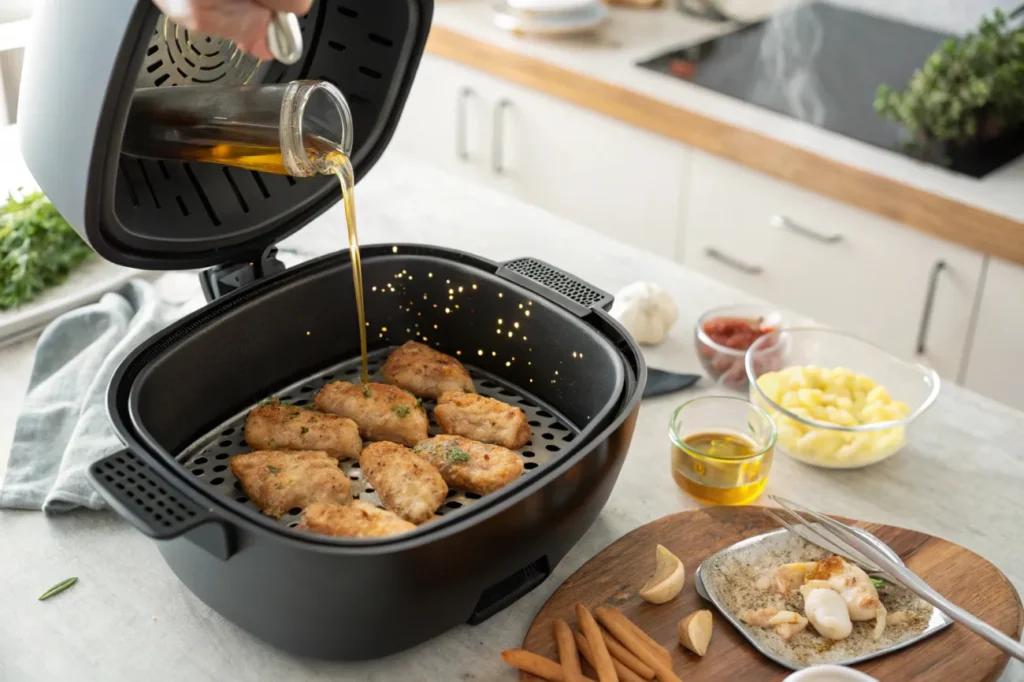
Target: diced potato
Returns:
[[820, 443], [878, 395], [844, 403], [810, 396], [840, 417]]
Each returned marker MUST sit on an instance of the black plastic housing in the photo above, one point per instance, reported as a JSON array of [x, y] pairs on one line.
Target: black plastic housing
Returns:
[[350, 599]]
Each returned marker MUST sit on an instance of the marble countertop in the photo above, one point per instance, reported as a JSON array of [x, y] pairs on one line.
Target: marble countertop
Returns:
[[635, 35], [961, 478]]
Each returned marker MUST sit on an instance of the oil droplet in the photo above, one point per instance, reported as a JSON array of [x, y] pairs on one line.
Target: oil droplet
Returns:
[[499, 330], [435, 326], [435, 305], [458, 352], [520, 306], [430, 274], [448, 311], [424, 337], [383, 329], [394, 249], [410, 277], [373, 288], [510, 335], [556, 372], [524, 338], [456, 306], [479, 352], [529, 364], [407, 330], [500, 321], [529, 303], [508, 364], [474, 286], [531, 381], [451, 291], [447, 281], [309, 333], [501, 295], [516, 325], [581, 355], [460, 290], [574, 353], [494, 354], [527, 313], [424, 297], [451, 298]]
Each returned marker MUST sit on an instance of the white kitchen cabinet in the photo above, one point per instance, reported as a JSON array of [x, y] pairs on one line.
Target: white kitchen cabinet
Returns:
[[601, 173], [905, 291], [994, 365]]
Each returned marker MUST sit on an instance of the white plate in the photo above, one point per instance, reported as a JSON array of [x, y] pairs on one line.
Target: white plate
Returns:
[[574, 22], [551, 6]]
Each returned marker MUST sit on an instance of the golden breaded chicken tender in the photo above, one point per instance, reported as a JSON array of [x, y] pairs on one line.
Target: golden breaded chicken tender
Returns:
[[276, 481], [481, 418], [382, 412], [406, 484], [287, 427], [354, 520], [470, 465], [425, 372]]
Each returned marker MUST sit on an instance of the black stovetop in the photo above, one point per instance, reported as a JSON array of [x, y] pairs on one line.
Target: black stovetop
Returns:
[[823, 64]]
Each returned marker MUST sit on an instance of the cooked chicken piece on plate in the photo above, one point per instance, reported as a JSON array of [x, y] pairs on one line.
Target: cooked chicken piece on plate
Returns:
[[854, 586], [425, 372], [470, 465], [786, 623], [406, 484], [787, 578], [356, 519], [277, 481], [286, 427], [382, 412], [481, 418]]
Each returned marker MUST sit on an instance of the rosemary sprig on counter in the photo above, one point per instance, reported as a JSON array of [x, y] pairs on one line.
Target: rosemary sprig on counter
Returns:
[[58, 588]]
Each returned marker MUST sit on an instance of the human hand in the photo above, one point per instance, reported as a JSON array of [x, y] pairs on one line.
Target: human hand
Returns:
[[243, 21]]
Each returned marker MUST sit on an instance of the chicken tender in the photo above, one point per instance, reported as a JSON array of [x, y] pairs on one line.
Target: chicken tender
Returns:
[[286, 427], [470, 465], [406, 483], [425, 372], [277, 481], [481, 418], [354, 520], [382, 412]]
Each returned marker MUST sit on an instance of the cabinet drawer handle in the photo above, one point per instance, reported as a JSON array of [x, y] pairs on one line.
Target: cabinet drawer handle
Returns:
[[733, 263], [461, 115], [929, 304], [785, 223], [498, 162]]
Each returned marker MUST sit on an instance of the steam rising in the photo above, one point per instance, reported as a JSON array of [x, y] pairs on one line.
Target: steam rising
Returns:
[[792, 42]]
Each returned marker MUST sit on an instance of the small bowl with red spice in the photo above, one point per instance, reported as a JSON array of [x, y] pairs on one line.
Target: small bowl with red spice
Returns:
[[723, 335]]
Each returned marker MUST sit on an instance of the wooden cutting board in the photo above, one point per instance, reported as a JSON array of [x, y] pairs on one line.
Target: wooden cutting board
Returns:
[[614, 577]]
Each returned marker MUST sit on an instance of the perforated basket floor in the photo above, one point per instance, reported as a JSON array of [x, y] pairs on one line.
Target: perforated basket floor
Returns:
[[207, 459]]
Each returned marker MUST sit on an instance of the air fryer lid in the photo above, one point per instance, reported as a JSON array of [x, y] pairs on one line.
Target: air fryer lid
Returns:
[[87, 58]]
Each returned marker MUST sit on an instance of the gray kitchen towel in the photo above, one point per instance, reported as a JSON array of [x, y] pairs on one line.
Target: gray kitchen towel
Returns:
[[63, 427]]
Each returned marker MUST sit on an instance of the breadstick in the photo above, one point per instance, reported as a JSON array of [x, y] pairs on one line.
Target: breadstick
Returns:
[[607, 612], [640, 649], [567, 655], [621, 653], [529, 662], [624, 673], [602, 659]]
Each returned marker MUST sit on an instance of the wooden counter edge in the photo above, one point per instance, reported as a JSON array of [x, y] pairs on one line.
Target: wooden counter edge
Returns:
[[974, 228]]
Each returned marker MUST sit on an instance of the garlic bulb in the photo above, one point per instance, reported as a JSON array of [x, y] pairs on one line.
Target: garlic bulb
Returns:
[[646, 311]]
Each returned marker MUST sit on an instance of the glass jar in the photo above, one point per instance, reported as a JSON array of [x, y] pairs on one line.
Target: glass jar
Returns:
[[297, 129]]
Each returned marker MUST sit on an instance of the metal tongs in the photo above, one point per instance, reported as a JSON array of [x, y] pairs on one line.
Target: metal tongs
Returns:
[[872, 555]]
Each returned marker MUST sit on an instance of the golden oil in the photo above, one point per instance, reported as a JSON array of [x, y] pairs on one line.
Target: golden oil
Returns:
[[721, 468]]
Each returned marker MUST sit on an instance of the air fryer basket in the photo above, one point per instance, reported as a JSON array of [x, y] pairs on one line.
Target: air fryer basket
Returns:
[[179, 405], [207, 459]]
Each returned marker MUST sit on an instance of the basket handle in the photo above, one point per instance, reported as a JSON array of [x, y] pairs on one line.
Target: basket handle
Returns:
[[144, 497], [556, 285]]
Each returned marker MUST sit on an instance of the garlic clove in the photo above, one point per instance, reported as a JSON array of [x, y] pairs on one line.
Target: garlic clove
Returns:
[[667, 581]]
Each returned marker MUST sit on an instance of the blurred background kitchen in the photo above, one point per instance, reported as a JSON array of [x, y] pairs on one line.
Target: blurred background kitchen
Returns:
[[752, 141]]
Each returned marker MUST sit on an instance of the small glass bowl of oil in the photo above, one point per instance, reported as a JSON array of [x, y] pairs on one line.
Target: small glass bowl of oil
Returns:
[[721, 449]]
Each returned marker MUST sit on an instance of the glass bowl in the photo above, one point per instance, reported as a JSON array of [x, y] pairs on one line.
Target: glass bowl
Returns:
[[721, 449], [837, 401], [724, 364]]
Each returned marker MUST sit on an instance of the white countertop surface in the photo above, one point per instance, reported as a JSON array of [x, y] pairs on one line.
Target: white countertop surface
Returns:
[[635, 35], [129, 618]]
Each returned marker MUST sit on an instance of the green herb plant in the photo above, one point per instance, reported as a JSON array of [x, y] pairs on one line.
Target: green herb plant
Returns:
[[38, 249], [969, 89]]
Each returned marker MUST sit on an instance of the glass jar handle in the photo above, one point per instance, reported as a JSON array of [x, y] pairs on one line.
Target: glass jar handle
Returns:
[[284, 38]]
